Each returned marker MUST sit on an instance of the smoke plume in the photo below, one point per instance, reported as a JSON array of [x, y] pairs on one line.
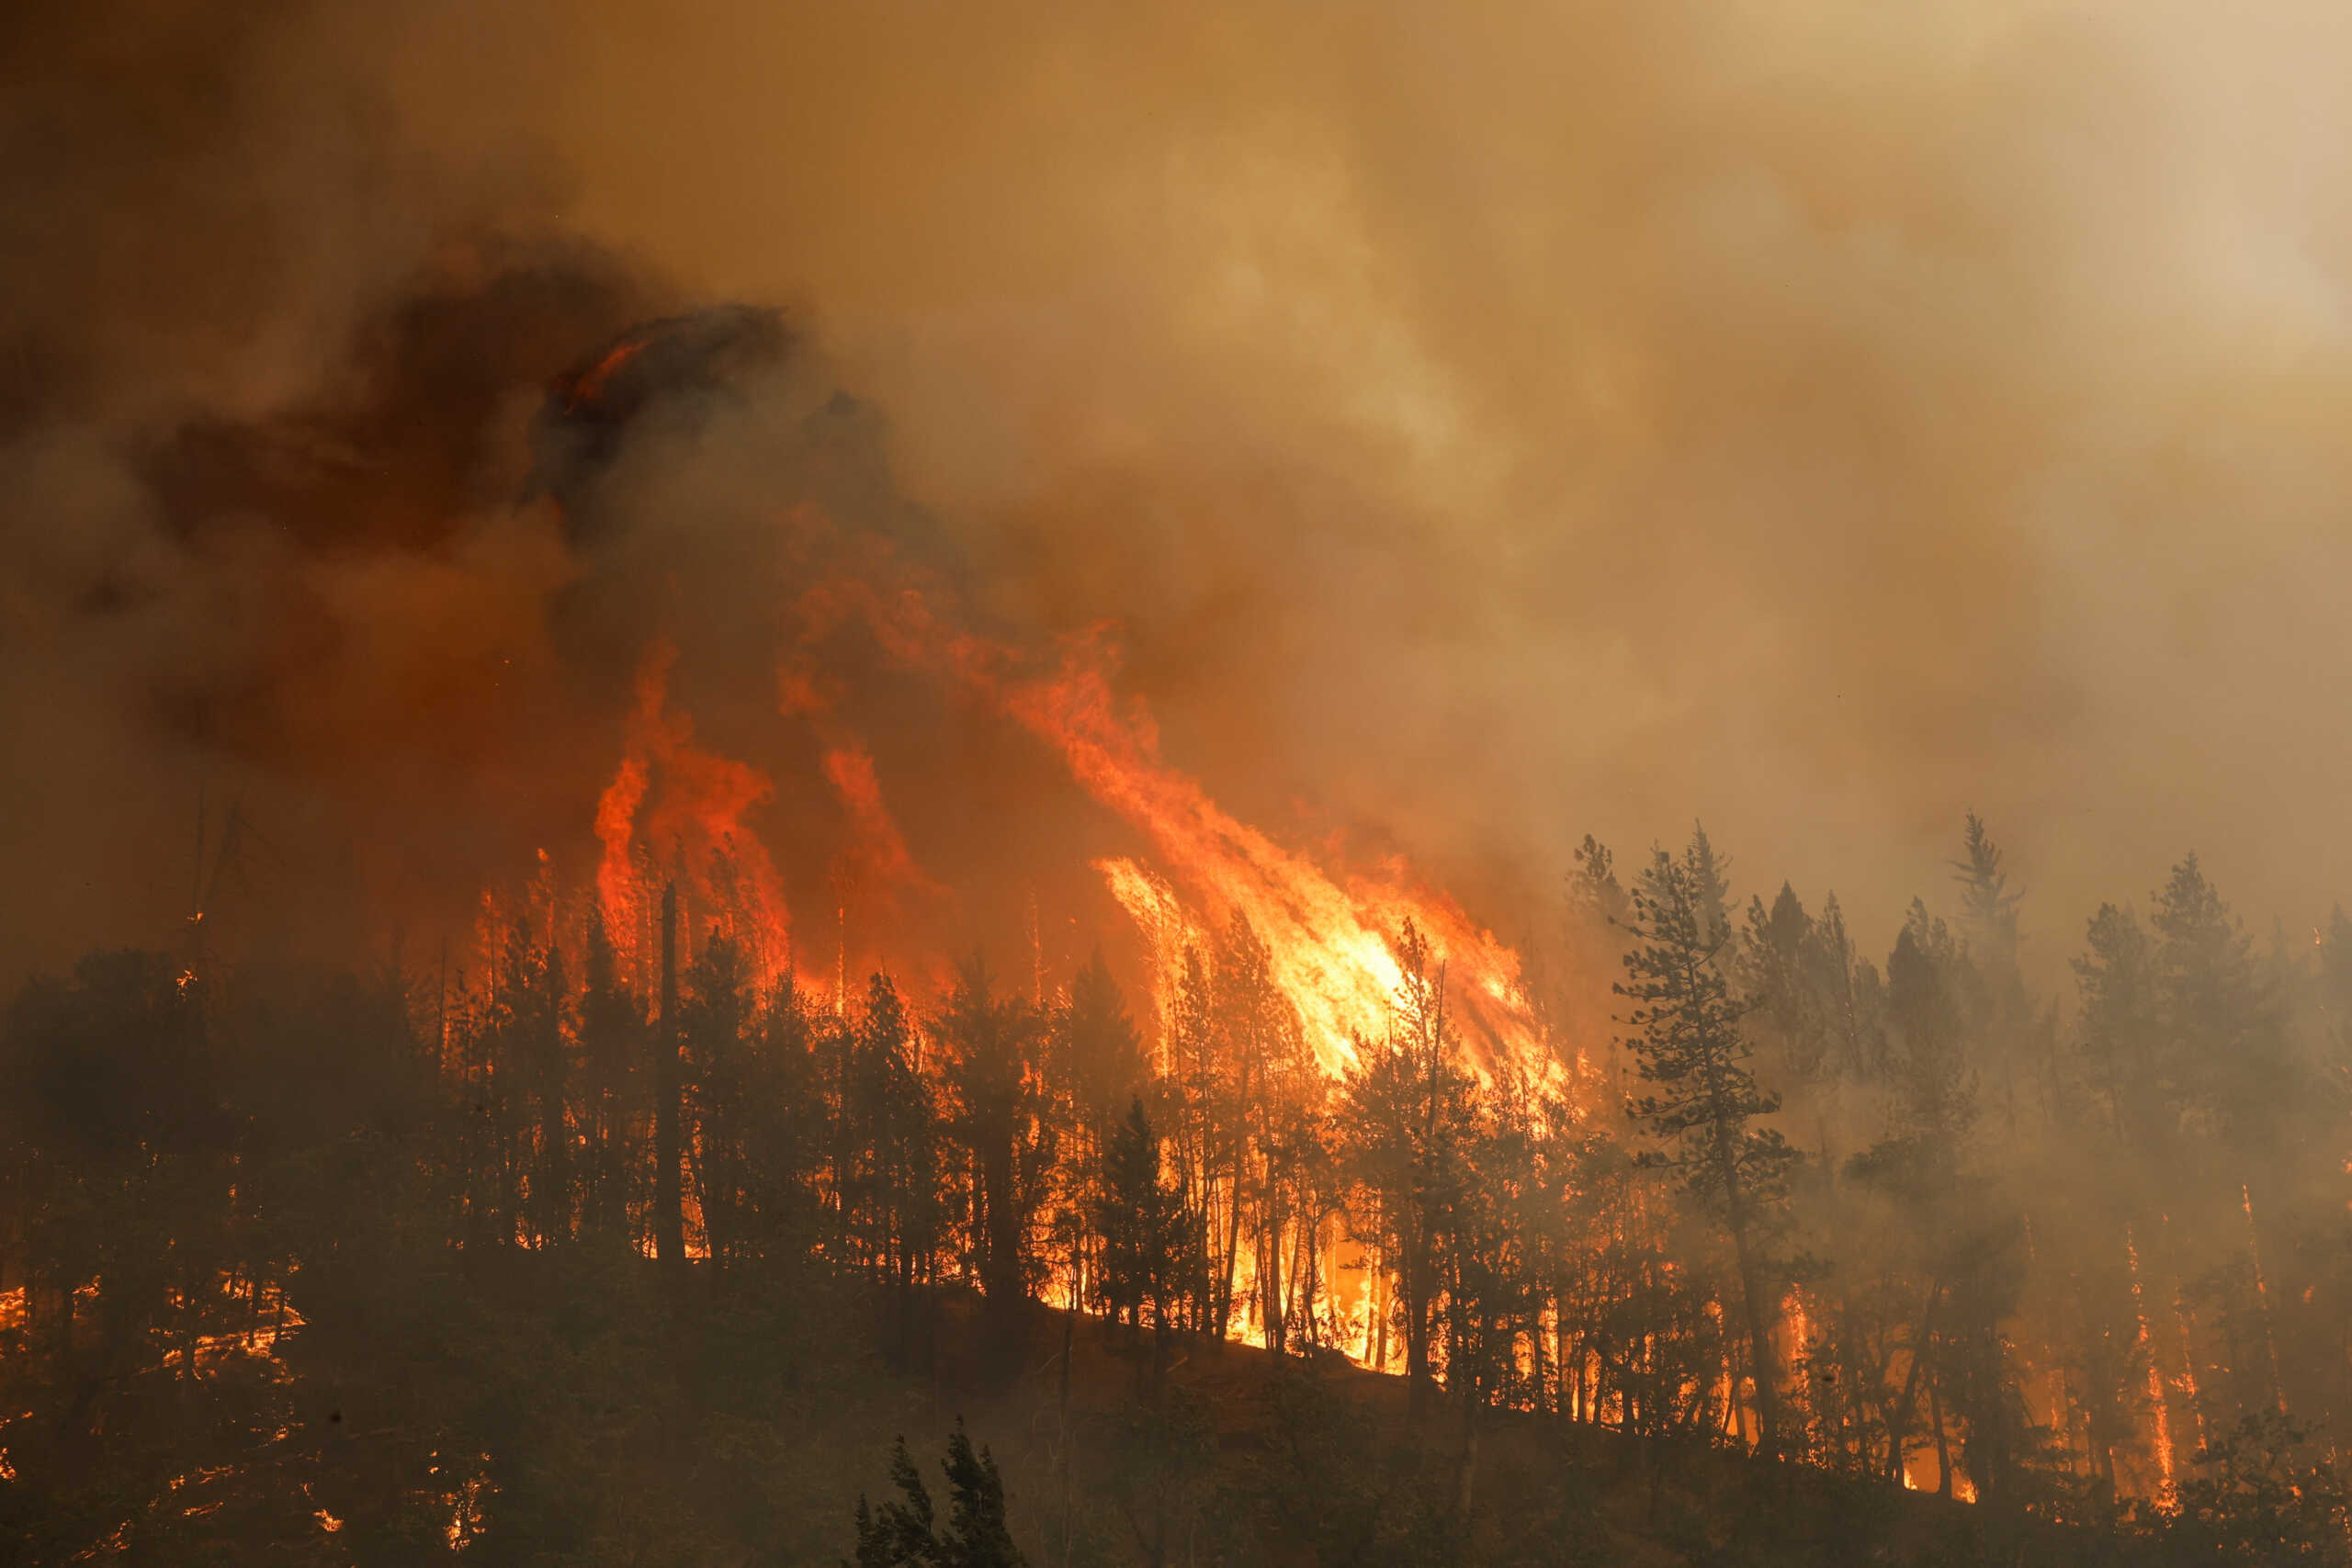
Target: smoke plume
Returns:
[[1481, 424]]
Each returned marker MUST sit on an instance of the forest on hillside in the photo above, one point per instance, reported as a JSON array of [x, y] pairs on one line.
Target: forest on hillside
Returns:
[[503, 1256], [947, 760]]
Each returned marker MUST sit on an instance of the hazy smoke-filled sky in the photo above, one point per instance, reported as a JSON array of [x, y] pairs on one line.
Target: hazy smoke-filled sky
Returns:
[[1487, 423]]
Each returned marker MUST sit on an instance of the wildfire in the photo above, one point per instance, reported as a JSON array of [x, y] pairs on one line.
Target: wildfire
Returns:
[[1328, 943], [675, 810], [2162, 1414], [1327, 938]]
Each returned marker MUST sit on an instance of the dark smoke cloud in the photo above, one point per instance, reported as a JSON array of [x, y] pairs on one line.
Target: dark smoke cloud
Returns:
[[1487, 423], [1502, 419], [267, 374]]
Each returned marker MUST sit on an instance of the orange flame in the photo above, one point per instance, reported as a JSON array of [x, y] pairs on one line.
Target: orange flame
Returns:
[[1329, 941], [2162, 1413], [676, 811], [589, 386], [877, 855]]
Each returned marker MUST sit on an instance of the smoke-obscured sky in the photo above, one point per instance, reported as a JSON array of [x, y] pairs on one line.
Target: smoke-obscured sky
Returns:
[[1487, 423]]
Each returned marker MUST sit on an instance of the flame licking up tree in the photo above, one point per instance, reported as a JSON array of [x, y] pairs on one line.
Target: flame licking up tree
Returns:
[[1328, 938], [678, 811], [1327, 942], [674, 809]]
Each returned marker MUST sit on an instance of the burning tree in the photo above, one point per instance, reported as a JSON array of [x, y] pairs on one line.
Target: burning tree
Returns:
[[1405, 1118]]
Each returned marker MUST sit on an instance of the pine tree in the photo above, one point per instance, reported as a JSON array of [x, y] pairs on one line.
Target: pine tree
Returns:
[[714, 1026], [993, 1047], [905, 1534], [1688, 1044], [1926, 978], [2218, 1025], [2119, 1046], [1097, 1053], [1987, 907], [1139, 1222], [899, 1534], [668, 1152], [977, 1536], [1778, 971], [1845, 995], [887, 1153], [1404, 1119], [1593, 889], [2004, 1025], [612, 1031]]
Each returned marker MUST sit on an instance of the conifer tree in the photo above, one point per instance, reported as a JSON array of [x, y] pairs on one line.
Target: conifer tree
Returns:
[[2116, 976], [2219, 1026], [1405, 1118], [669, 1153], [887, 1152], [1097, 1053], [905, 1534], [612, 1029], [1704, 1102], [714, 1021], [1139, 1222], [992, 1049]]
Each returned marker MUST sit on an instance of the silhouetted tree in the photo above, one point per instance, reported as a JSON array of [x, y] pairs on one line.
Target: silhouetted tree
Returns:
[[992, 1048], [1404, 1122], [904, 1534], [1140, 1221], [1688, 1045]]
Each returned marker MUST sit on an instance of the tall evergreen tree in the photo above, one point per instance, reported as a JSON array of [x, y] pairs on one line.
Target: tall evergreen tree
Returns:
[[612, 1033], [2218, 1025], [2127, 1079], [713, 1028], [1140, 1221], [1704, 1104], [992, 1063]]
